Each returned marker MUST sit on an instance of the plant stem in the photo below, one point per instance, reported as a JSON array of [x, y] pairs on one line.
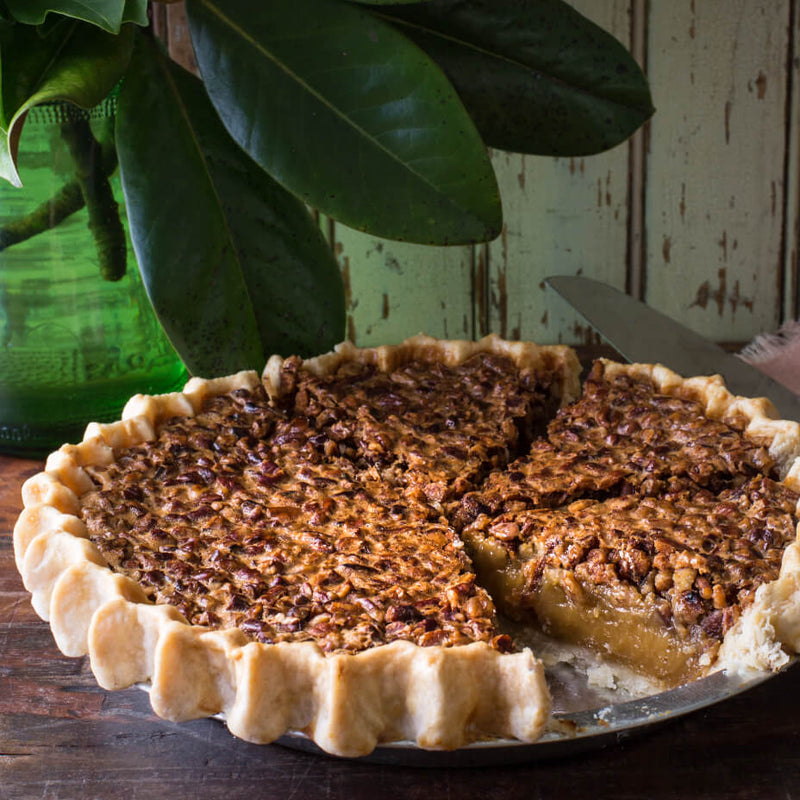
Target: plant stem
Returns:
[[65, 202], [92, 179]]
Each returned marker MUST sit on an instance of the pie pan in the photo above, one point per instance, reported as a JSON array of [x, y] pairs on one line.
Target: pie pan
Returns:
[[595, 720], [570, 732]]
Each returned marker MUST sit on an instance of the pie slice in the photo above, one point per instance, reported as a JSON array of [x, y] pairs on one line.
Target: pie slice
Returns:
[[433, 421], [645, 523], [322, 548], [656, 582], [623, 436], [658, 437]]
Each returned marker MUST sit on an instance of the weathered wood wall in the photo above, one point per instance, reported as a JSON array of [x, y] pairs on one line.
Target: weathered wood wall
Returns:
[[699, 214]]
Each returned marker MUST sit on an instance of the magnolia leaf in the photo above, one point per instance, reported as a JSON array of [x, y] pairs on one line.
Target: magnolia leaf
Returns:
[[235, 266], [349, 115], [107, 14], [78, 63], [136, 12], [535, 75]]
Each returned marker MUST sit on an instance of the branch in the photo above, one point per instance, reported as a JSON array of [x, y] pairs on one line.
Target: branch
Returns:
[[50, 213], [53, 211], [104, 220]]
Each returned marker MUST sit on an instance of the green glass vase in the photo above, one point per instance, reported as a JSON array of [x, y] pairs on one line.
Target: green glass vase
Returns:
[[78, 335]]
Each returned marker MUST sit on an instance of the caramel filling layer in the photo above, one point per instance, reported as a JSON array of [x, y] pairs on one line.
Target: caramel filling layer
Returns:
[[654, 582]]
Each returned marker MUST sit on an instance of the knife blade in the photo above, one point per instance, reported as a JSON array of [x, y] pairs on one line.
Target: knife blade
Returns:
[[642, 334]]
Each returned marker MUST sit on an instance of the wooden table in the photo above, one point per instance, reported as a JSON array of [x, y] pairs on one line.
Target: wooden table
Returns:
[[62, 737]]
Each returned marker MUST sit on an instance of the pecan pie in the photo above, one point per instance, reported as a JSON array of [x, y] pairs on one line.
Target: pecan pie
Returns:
[[657, 581], [324, 548]]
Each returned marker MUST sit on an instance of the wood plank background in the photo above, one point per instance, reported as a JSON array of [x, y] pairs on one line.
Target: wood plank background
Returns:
[[698, 213]]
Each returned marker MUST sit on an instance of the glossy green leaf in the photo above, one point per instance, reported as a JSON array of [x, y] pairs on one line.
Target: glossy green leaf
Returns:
[[77, 62], [235, 266], [536, 76], [348, 115], [136, 11], [107, 14]]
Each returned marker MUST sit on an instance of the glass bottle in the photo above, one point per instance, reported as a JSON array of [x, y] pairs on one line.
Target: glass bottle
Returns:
[[78, 335]]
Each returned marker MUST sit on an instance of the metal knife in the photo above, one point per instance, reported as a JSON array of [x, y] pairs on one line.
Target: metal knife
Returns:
[[640, 333]]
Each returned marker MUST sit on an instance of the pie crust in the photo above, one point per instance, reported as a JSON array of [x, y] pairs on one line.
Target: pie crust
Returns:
[[436, 696]]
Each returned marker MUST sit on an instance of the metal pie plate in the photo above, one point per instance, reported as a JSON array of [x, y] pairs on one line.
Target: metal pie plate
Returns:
[[584, 717], [600, 721]]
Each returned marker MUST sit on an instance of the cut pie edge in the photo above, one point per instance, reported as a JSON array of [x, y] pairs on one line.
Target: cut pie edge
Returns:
[[770, 626]]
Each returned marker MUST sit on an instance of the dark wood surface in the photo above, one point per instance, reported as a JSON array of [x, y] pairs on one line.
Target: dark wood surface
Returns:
[[62, 737]]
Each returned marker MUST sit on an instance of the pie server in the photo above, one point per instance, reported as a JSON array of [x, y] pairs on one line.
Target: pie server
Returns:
[[641, 334]]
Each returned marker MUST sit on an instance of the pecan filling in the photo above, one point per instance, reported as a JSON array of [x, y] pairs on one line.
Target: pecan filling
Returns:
[[655, 438], [433, 429], [621, 437], [288, 526], [339, 515]]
